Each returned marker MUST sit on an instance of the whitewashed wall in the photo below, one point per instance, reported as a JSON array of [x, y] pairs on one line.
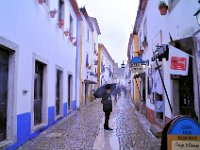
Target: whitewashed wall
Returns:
[[180, 22], [29, 25]]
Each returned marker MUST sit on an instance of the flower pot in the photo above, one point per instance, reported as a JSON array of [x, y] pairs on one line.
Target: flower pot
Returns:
[[52, 13], [163, 10], [66, 33], [140, 52], [75, 43], [144, 44], [60, 23], [71, 39], [41, 1]]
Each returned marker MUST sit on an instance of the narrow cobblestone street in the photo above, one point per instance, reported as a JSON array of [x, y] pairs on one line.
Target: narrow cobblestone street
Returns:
[[81, 130]]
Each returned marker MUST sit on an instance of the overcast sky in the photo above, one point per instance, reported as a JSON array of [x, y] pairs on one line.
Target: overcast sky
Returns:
[[116, 19]]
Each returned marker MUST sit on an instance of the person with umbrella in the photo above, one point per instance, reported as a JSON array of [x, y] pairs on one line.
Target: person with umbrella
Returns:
[[104, 92], [114, 93], [107, 106]]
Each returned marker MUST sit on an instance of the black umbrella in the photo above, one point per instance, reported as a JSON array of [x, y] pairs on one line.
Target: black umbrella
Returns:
[[101, 90]]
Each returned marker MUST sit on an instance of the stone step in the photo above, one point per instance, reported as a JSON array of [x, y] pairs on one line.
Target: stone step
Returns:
[[156, 130]]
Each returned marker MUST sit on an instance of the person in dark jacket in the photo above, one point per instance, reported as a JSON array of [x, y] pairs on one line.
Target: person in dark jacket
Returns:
[[107, 107]]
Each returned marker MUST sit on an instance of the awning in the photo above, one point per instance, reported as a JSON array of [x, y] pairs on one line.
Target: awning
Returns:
[[136, 60], [90, 82]]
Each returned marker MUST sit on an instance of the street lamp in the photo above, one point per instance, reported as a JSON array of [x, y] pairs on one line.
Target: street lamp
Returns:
[[197, 14]]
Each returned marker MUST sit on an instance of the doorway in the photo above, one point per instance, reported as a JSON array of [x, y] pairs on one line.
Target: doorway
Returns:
[[186, 94], [58, 92], [3, 93], [38, 93], [86, 93], [69, 92]]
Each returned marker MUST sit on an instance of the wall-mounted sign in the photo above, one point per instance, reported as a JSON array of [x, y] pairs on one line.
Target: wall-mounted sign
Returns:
[[179, 61], [137, 69], [184, 134]]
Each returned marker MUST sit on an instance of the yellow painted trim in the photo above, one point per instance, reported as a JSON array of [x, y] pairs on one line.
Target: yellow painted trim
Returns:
[[80, 65], [99, 64], [136, 90]]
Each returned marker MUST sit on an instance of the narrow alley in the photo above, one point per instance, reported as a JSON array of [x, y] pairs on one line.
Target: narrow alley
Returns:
[[100, 75], [83, 129]]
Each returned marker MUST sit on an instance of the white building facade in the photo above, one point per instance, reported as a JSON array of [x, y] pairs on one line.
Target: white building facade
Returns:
[[89, 42], [38, 58], [178, 31], [106, 66]]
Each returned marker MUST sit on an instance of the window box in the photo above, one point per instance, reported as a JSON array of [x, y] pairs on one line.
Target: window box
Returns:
[[163, 7], [41, 1], [60, 23], [53, 13]]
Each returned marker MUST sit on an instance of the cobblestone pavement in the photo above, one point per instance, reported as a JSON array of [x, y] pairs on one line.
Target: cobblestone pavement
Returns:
[[76, 132], [79, 130], [133, 129]]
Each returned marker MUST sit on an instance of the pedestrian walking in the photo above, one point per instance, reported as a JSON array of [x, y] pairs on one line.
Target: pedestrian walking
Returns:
[[107, 106], [114, 93]]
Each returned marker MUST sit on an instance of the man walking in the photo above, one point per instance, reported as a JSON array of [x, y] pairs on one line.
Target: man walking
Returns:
[[107, 107]]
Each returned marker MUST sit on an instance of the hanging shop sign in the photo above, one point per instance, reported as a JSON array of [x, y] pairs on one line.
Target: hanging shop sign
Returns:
[[179, 61], [138, 65], [137, 69], [183, 134]]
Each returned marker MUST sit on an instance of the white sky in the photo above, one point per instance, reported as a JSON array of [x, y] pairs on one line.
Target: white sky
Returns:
[[116, 19]]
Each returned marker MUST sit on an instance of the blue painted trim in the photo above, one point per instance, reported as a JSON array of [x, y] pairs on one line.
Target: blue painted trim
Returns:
[[65, 110], [74, 105], [24, 127], [51, 115]]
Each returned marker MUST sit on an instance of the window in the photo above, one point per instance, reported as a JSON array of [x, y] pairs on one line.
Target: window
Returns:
[[87, 60], [95, 50], [145, 30], [88, 35], [71, 25], [139, 40], [61, 10]]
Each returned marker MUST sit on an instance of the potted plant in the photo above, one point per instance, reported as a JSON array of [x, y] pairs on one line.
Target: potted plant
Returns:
[[66, 33], [163, 7], [40, 1], [140, 52], [71, 38], [60, 23], [53, 13], [144, 42], [75, 43]]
